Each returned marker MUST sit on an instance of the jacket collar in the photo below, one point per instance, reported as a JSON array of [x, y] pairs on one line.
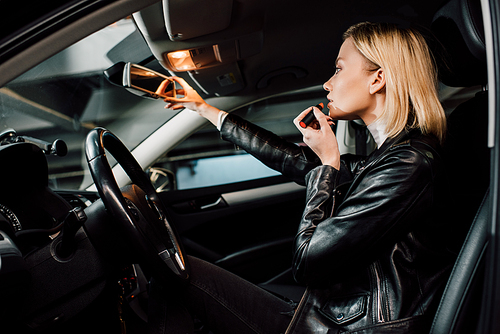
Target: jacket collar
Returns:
[[388, 144]]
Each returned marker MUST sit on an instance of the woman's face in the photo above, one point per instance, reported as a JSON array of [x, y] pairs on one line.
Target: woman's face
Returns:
[[349, 87]]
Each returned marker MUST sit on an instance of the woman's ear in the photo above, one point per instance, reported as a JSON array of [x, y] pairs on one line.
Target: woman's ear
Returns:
[[377, 84]]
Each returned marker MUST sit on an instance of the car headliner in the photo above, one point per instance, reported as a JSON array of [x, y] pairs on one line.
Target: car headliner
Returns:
[[296, 35]]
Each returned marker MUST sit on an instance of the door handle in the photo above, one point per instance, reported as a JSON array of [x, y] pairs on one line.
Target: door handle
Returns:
[[211, 205]]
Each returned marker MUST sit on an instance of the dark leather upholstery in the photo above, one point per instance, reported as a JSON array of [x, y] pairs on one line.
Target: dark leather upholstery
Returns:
[[460, 50], [459, 308], [459, 27]]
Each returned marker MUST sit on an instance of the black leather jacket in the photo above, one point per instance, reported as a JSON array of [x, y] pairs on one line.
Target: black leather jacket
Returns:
[[370, 245]]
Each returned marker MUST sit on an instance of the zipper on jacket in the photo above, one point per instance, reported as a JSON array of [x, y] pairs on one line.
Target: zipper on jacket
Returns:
[[297, 310], [378, 299]]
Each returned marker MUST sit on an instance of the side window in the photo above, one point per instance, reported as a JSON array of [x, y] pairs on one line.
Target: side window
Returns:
[[204, 159]]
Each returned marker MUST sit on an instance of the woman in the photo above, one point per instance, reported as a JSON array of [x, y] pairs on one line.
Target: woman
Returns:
[[368, 247]]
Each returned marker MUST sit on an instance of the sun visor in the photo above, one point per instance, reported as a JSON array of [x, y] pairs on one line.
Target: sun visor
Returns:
[[205, 17]]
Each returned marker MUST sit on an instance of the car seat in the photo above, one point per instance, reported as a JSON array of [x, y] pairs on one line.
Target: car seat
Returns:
[[458, 27], [461, 58]]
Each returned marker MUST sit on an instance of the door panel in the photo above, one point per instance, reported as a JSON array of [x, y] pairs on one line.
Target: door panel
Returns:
[[247, 227]]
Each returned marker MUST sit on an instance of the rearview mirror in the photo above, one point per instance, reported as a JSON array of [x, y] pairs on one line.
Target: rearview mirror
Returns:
[[140, 80]]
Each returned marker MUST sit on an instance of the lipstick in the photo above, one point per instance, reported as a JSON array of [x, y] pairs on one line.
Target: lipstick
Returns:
[[310, 116]]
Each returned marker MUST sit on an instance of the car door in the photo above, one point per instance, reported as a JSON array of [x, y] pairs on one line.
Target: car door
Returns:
[[246, 227]]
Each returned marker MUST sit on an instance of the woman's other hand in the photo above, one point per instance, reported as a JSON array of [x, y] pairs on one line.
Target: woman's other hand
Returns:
[[191, 100], [320, 137]]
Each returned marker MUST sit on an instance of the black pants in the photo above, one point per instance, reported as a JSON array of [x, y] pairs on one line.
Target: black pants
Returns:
[[223, 301]]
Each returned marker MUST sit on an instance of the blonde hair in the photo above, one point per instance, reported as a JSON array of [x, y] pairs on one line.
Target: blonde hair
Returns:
[[411, 76]]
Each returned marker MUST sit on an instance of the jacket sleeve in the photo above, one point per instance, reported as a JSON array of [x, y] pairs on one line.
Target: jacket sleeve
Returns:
[[384, 201], [289, 159]]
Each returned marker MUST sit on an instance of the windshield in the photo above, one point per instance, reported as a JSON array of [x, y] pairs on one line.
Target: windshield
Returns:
[[67, 95]]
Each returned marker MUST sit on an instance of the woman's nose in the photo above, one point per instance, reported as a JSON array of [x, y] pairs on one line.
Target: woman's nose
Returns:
[[325, 86]]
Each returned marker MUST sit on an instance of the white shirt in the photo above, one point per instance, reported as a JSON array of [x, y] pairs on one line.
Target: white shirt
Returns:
[[377, 130], [220, 120]]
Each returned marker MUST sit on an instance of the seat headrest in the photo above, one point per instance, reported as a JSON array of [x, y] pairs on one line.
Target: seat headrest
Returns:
[[458, 28], [27, 167]]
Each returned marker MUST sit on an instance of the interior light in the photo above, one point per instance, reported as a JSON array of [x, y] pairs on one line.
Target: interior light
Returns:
[[181, 60], [193, 59], [179, 54]]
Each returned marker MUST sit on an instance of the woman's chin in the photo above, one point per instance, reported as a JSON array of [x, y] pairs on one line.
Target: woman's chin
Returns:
[[340, 115], [337, 113]]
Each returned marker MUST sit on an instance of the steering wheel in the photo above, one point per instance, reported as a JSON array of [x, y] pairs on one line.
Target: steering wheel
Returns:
[[136, 208]]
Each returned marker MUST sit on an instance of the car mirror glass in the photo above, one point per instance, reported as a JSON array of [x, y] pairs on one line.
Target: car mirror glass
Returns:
[[140, 80]]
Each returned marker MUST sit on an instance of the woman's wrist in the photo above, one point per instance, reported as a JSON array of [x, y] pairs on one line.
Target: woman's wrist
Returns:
[[334, 165], [209, 112], [334, 162]]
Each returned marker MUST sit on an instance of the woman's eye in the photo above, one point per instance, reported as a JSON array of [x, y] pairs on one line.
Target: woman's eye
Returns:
[[337, 69]]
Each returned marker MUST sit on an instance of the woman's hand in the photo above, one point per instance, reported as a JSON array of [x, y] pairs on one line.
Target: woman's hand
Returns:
[[320, 137], [191, 100]]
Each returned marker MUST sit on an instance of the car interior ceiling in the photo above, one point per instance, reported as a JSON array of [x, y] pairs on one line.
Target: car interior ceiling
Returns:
[[465, 66], [268, 69]]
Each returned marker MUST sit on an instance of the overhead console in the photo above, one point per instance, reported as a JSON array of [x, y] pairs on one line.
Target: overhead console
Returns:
[[204, 40]]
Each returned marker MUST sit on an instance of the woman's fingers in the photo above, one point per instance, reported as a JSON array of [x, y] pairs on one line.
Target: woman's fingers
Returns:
[[314, 124], [173, 101], [163, 89], [300, 116], [187, 97], [181, 81], [178, 92], [322, 119]]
